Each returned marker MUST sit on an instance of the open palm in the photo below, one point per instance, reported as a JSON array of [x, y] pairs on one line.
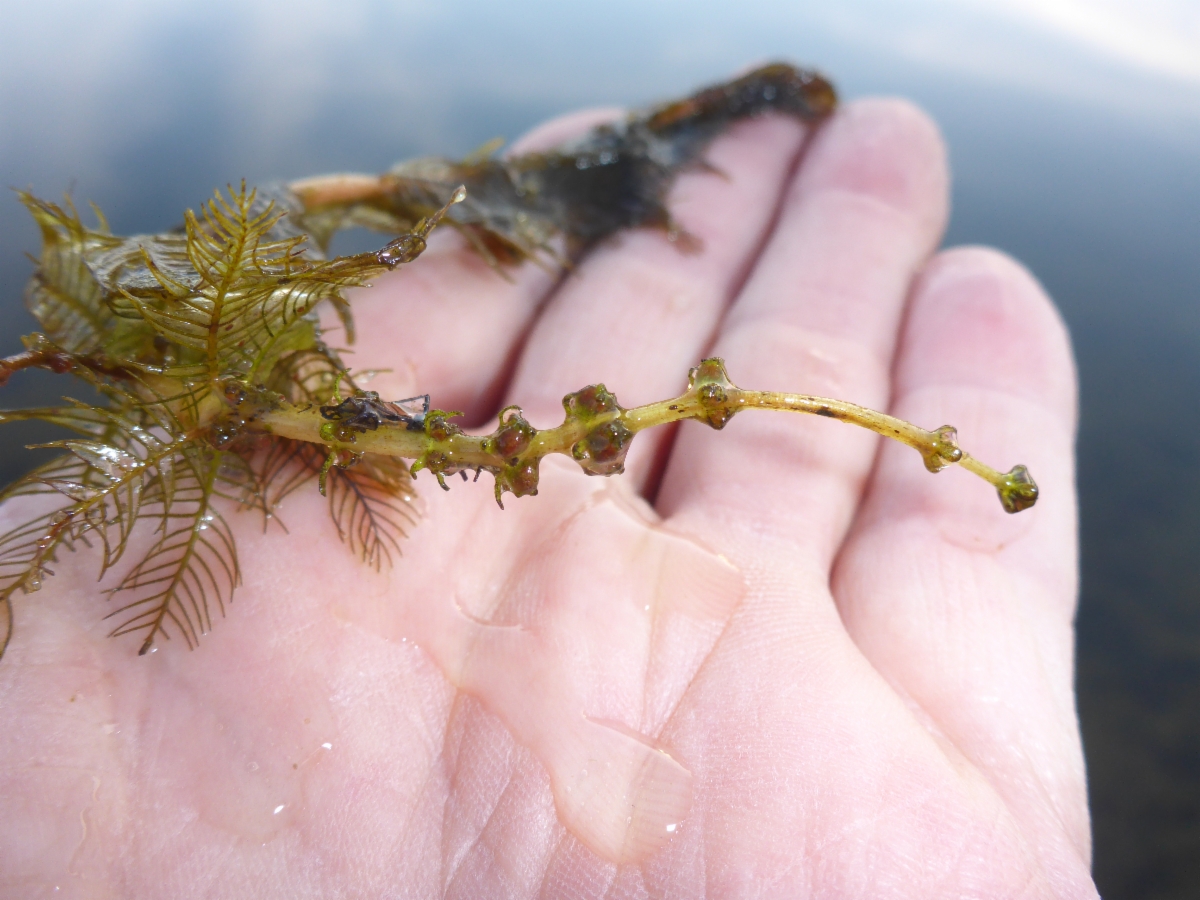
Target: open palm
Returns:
[[781, 661]]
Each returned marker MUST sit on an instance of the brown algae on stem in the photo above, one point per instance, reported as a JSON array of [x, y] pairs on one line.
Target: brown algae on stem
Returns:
[[597, 432]]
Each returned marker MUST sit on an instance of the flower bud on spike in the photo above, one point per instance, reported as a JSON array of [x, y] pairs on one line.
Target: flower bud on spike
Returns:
[[1017, 490], [943, 450]]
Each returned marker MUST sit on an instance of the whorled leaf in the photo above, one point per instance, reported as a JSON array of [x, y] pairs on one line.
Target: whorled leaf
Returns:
[[371, 503], [78, 417], [190, 571], [371, 500], [237, 303], [63, 294], [28, 549], [110, 476]]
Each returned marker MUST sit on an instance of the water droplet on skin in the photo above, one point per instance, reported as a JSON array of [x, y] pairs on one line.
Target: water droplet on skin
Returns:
[[627, 810], [260, 796], [327, 745]]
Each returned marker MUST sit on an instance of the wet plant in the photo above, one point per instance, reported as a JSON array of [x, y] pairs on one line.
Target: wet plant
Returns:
[[210, 386]]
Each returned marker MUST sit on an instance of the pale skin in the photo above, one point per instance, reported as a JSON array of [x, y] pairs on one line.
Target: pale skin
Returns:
[[859, 675]]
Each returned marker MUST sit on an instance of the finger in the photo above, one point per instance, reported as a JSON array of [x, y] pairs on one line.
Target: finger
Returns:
[[965, 610], [447, 324], [639, 310], [819, 315], [559, 130]]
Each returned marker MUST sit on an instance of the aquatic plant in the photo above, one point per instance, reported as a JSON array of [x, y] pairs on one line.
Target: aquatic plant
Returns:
[[210, 385]]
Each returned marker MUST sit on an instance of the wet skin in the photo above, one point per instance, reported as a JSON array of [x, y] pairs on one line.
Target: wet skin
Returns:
[[779, 660]]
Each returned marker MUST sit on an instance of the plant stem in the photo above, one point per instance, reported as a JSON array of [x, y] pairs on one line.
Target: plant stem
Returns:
[[596, 432]]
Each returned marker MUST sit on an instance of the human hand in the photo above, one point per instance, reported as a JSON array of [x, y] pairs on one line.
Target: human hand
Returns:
[[781, 660]]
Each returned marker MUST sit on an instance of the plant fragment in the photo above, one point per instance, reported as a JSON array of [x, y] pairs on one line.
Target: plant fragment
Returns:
[[212, 380]]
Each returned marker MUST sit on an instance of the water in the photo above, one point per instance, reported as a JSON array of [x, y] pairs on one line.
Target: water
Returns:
[[1080, 156]]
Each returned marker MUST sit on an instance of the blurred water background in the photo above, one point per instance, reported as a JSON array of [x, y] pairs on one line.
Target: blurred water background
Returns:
[[1074, 134]]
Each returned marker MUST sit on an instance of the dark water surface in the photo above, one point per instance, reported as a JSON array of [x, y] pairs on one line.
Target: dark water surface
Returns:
[[1086, 169]]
